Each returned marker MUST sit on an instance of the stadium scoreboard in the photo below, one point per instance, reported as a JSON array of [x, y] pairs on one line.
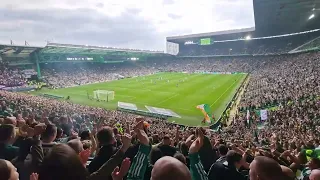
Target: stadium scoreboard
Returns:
[[201, 42], [205, 41]]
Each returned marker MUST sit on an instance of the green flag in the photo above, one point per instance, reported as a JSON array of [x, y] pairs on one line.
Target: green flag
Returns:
[[205, 109]]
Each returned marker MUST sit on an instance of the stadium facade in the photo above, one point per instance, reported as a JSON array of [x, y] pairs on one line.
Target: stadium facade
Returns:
[[30, 57], [281, 27], [291, 24]]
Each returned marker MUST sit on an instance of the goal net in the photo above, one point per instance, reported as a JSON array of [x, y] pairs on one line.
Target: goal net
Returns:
[[103, 95]]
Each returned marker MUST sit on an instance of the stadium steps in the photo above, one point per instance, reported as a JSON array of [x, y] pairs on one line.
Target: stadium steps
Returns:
[[234, 109]]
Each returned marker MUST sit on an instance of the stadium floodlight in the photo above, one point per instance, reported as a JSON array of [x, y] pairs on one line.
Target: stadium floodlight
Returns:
[[248, 37], [311, 16], [134, 59], [313, 9]]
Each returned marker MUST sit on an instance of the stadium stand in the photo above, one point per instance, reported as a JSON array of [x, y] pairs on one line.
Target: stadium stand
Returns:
[[43, 138], [310, 46], [290, 89], [264, 46], [10, 77]]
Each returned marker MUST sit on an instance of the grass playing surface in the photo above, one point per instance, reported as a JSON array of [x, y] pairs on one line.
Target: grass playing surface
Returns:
[[192, 90]]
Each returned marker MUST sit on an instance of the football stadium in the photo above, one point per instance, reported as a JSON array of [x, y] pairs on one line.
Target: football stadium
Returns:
[[213, 105]]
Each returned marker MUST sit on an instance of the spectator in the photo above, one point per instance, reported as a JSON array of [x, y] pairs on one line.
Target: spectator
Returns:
[[106, 141], [222, 152], [229, 168], [7, 138], [315, 175], [48, 137], [171, 169], [8, 171], [265, 168], [166, 148]]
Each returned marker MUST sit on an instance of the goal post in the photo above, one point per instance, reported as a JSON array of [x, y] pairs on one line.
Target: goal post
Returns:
[[103, 95]]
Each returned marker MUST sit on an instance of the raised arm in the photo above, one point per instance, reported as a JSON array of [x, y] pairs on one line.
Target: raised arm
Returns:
[[140, 161], [107, 168], [93, 141], [196, 167]]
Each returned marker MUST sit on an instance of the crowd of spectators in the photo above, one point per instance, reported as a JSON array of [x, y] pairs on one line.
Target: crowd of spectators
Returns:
[[73, 74], [48, 139], [10, 77], [264, 46]]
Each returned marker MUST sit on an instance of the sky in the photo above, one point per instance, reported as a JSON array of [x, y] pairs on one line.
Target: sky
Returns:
[[138, 24]]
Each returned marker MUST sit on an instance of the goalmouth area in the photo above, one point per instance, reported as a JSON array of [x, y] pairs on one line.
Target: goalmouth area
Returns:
[[178, 92]]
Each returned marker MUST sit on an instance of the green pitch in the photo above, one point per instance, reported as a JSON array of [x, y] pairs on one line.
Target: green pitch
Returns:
[[176, 91]]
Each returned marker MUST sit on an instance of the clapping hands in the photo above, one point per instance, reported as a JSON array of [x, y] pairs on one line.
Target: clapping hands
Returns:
[[126, 142], [198, 143], [34, 176], [141, 134]]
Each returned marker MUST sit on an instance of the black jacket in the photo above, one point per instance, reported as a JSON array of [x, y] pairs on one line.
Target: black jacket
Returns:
[[221, 171], [207, 155], [167, 150], [102, 157]]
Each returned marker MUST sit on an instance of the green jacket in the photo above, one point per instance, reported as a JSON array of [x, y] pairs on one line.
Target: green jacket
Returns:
[[140, 163], [196, 168], [8, 152]]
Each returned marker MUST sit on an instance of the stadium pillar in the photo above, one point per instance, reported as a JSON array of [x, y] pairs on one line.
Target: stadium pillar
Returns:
[[38, 65]]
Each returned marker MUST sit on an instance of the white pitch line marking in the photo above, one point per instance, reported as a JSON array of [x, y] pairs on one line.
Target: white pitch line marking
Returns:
[[223, 93], [167, 99]]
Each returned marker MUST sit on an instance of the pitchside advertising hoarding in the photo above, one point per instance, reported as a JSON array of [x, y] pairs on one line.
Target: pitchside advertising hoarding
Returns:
[[151, 110]]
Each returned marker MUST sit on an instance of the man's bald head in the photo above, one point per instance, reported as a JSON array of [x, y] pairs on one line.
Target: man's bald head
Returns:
[[264, 168], [169, 168], [315, 175]]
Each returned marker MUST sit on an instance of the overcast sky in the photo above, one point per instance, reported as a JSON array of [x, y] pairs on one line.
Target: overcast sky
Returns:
[[140, 24]]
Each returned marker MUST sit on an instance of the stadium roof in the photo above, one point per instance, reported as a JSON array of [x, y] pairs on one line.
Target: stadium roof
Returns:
[[210, 34], [85, 49], [272, 17], [54, 52], [16, 50], [69, 50]]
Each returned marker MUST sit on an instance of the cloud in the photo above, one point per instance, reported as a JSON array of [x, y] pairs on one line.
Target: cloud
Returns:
[[72, 27], [168, 1], [174, 16], [99, 5], [140, 24]]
